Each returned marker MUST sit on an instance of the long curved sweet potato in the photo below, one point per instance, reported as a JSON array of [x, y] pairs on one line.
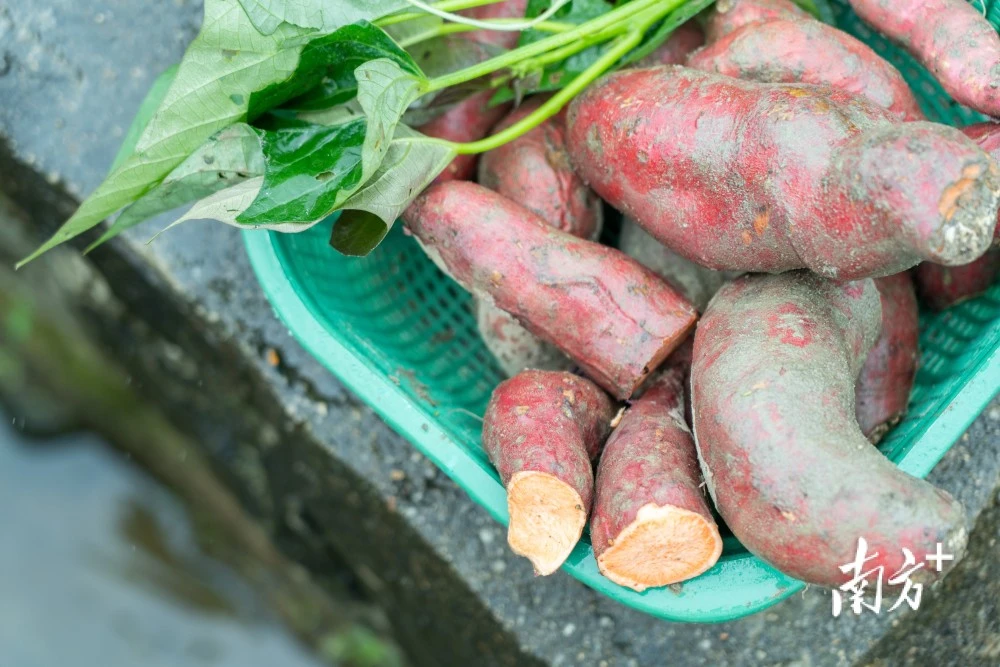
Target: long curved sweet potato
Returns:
[[886, 380], [950, 38], [651, 523], [729, 15], [750, 176], [607, 312], [808, 51], [775, 362], [541, 430]]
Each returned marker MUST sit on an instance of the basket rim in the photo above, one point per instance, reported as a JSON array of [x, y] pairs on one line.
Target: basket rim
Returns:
[[737, 586]]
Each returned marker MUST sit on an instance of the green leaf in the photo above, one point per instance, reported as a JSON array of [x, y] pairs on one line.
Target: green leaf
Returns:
[[145, 113], [227, 63], [357, 233], [666, 28], [231, 156], [312, 171], [320, 15], [225, 205], [557, 75]]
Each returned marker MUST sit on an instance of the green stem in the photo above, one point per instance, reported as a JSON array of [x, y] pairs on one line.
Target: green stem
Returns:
[[563, 52], [583, 36], [444, 5], [451, 28], [554, 104]]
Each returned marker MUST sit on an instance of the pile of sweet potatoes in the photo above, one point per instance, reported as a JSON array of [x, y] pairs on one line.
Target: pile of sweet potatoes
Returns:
[[757, 330]]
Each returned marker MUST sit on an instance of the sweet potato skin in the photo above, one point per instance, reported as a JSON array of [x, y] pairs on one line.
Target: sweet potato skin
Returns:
[[950, 38], [808, 51], [775, 361], [944, 286], [607, 312], [886, 380], [535, 171], [498, 10], [781, 176], [649, 458], [730, 15], [675, 51], [469, 120], [547, 421]]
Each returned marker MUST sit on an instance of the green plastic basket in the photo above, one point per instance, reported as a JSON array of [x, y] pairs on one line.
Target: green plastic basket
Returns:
[[401, 335]]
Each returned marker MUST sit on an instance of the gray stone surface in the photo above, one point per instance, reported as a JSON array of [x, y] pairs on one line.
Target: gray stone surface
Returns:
[[332, 479]]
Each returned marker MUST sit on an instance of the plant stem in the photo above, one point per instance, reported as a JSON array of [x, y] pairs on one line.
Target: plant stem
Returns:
[[451, 28], [554, 104], [563, 52], [444, 5], [584, 35]]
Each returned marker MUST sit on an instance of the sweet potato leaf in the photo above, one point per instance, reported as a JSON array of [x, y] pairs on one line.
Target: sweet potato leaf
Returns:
[[227, 63], [231, 156], [320, 15], [357, 233]]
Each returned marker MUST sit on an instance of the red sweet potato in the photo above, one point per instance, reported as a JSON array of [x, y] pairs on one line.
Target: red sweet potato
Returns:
[[675, 51], [950, 38], [775, 362], [509, 9], [651, 523], [808, 51], [944, 286], [729, 15], [694, 282], [469, 120], [748, 176], [607, 312], [886, 380], [535, 171], [541, 430]]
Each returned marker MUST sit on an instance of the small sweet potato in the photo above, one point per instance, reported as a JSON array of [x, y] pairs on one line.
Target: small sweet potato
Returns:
[[950, 38], [748, 176], [729, 15], [469, 120], [775, 363], [509, 9], [675, 51], [943, 286], [651, 523], [696, 283], [616, 319], [808, 51], [541, 430], [886, 380]]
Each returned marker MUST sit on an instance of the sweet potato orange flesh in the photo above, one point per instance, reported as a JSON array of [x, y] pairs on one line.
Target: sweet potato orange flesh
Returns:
[[469, 120], [748, 176], [607, 312], [651, 523], [775, 362], [541, 430], [675, 51], [729, 15], [808, 51], [944, 286], [950, 38], [886, 380], [535, 171], [509, 9]]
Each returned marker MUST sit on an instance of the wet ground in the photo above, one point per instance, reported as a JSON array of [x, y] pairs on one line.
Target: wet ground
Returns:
[[99, 567]]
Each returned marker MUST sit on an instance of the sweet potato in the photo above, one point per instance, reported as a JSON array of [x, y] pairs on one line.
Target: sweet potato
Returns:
[[469, 120], [535, 171], [541, 430], [675, 51], [950, 38], [729, 15], [886, 380], [748, 176], [616, 319], [791, 473], [651, 523], [807, 51], [695, 283], [508, 9], [944, 286]]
